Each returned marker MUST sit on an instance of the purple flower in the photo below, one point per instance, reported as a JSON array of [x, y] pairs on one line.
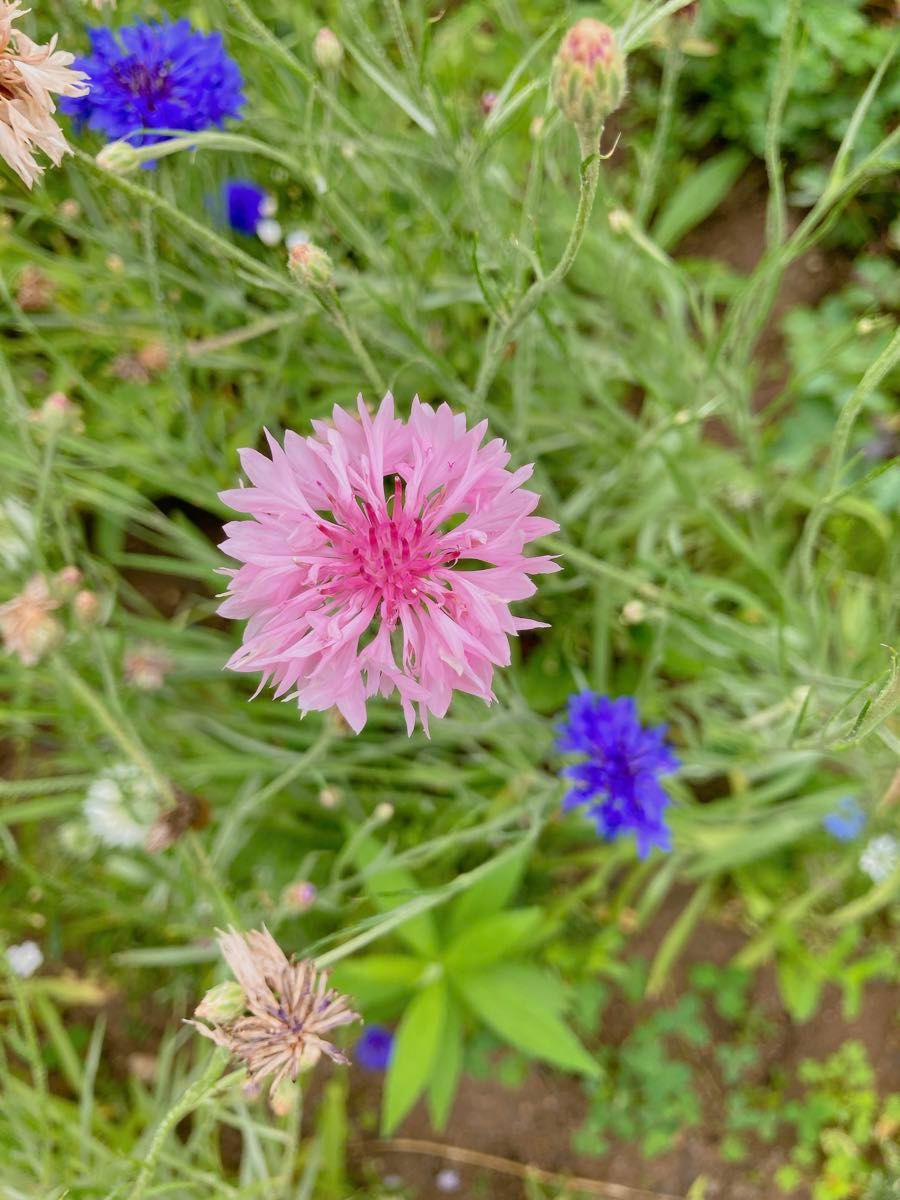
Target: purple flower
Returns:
[[373, 1050], [243, 204], [847, 820], [164, 75], [619, 780]]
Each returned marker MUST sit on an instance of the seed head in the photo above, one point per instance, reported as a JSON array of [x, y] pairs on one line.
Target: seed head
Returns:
[[588, 79]]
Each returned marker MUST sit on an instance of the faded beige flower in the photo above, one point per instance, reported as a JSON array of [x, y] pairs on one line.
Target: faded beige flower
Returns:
[[26, 624], [289, 1010], [34, 288], [145, 666], [29, 74]]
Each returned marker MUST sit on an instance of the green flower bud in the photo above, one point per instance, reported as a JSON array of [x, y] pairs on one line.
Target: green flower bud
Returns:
[[588, 79], [121, 158], [310, 266], [224, 1002], [327, 50]]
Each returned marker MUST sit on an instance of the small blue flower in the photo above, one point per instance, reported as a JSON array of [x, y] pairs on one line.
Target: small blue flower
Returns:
[[619, 781], [847, 820], [243, 203], [374, 1048], [163, 75]]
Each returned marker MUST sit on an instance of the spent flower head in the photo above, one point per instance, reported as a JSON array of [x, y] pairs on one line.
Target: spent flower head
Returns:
[[145, 666], [121, 804], [27, 626], [57, 414], [356, 577], [29, 76], [588, 79], [618, 781], [159, 75], [289, 1012]]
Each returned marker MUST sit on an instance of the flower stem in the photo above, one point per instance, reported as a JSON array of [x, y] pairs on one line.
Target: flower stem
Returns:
[[332, 304], [499, 337], [210, 1081]]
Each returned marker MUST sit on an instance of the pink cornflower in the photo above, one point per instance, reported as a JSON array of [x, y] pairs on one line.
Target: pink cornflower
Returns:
[[383, 554]]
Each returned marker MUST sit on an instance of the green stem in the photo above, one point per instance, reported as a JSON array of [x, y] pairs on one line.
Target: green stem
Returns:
[[201, 1089], [671, 71], [776, 214], [499, 338], [331, 303]]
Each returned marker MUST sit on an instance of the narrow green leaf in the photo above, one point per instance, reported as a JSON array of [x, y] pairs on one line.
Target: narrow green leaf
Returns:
[[676, 937], [492, 891], [512, 999], [390, 887], [332, 1130], [493, 937], [700, 194], [447, 1067], [415, 1052]]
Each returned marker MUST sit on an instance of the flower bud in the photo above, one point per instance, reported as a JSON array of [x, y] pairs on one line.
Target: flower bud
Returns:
[[310, 266], [588, 79], [327, 50], [86, 607], [384, 811], [67, 580], [57, 415], [225, 1002], [300, 896], [330, 797], [120, 158]]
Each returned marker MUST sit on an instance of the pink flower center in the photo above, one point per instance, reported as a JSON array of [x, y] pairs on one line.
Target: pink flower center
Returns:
[[589, 42], [389, 556]]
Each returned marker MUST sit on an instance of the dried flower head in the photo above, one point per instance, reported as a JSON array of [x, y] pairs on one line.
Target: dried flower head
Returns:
[[188, 812], [289, 1010], [145, 666], [26, 625], [86, 608], [34, 288], [29, 75], [360, 554]]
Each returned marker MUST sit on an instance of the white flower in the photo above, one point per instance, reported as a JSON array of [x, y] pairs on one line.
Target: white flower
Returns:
[[24, 959], [16, 532], [269, 232], [880, 858], [447, 1180], [121, 805]]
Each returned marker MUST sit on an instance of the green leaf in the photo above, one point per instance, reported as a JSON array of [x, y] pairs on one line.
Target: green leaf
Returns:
[[415, 1051], [521, 1004], [374, 978], [491, 938], [447, 1067], [332, 1130], [700, 194], [799, 987], [390, 887], [490, 893]]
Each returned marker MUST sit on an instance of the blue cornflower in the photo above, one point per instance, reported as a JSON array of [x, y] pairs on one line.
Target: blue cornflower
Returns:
[[373, 1050], [619, 781], [244, 205], [847, 820], [163, 75]]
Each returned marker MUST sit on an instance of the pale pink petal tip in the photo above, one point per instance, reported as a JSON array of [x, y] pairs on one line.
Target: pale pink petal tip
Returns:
[[381, 555]]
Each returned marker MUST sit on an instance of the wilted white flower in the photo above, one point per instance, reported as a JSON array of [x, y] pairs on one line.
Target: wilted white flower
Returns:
[[24, 959], [121, 805], [880, 858], [17, 530], [268, 231]]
